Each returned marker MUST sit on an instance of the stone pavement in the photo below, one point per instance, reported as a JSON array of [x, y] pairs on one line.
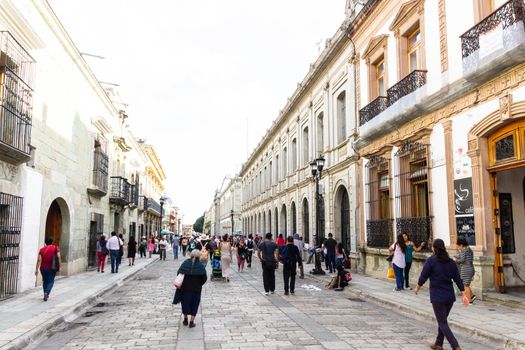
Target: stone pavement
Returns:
[[499, 323], [25, 317], [237, 315]]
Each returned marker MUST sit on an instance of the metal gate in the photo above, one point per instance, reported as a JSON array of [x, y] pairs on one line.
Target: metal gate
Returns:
[[345, 220], [10, 231]]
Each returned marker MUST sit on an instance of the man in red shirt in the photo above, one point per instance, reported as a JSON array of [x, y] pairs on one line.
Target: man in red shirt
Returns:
[[45, 264]]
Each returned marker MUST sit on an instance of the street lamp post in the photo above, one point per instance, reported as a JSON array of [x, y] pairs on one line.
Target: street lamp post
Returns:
[[317, 168], [231, 215]]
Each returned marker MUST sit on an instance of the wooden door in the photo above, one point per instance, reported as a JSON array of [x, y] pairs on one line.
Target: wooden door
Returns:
[[54, 223]]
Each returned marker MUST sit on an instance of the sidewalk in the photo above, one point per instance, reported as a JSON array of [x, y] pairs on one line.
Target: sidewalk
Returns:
[[26, 317], [496, 322]]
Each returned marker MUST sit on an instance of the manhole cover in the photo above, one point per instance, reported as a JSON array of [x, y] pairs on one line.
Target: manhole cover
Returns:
[[357, 300]]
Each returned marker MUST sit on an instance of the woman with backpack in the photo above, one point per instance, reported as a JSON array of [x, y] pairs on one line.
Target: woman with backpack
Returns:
[[398, 262], [48, 263], [102, 252]]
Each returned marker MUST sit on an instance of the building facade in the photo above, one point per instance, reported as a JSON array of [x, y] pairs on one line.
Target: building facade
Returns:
[[69, 166], [417, 107], [224, 214]]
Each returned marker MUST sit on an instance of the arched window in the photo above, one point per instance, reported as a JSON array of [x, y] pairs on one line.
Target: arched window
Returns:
[[294, 219], [294, 155], [341, 117], [320, 134], [306, 144], [306, 221]]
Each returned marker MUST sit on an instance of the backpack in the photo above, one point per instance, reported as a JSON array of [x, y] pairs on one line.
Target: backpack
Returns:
[[283, 255], [250, 244]]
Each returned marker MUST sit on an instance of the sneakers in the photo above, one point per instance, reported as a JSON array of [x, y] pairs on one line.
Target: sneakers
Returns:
[[266, 293], [286, 293], [436, 347], [292, 292], [273, 292], [397, 290], [473, 299]]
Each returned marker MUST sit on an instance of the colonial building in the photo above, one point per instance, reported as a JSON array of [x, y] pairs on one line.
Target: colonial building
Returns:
[[69, 166], [441, 98], [224, 214], [319, 119]]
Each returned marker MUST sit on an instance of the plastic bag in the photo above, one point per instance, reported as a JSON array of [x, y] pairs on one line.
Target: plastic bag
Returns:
[[390, 273], [178, 280]]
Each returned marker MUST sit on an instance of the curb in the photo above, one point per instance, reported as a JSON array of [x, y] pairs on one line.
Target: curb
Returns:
[[407, 311], [68, 315]]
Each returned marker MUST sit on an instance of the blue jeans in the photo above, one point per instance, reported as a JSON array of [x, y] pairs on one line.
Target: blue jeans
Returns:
[[330, 262], [400, 278], [48, 280], [114, 254], [175, 252]]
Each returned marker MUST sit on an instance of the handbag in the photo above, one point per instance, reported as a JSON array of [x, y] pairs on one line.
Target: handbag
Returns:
[[178, 280], [348, 277], [390, 274], [390, 257], [346, 263], [55, 264]]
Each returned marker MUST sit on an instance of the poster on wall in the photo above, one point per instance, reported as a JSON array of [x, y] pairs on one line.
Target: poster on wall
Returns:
[[465, 228], [463, 196]]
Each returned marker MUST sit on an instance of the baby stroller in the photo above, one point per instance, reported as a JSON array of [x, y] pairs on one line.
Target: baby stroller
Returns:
[[216, 271]]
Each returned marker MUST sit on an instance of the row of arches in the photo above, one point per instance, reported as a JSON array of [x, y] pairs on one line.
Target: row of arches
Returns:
[[285, 219]]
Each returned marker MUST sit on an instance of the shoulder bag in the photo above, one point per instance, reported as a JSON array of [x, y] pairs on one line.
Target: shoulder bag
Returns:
[[178, 280], [55, 265]]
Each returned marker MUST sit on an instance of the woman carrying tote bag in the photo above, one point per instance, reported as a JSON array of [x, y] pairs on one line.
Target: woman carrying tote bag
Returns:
[[48, 263]]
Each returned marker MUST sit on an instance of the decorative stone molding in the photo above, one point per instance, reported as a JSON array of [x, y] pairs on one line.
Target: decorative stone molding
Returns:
[[504, 106], [443, 48]]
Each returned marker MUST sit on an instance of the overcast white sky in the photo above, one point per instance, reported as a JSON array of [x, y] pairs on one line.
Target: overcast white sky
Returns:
[[204, 79]]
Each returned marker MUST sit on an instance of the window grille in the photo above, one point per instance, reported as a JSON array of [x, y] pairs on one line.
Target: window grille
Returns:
[[10, 231]]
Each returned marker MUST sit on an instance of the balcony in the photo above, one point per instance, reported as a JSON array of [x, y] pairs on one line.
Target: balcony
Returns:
[[495, 43], [419, 229], [119, 191], [100, 174], [152, 206], [373, 109], [16, 100], [406, 86]]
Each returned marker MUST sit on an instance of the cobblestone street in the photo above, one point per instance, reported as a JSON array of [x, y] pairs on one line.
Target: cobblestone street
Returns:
[[237, 315]]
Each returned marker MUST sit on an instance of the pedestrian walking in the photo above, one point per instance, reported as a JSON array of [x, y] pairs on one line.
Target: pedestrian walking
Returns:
[[268, 253], [249, 246], [189, 294], [151, 245], [330, 245], [102, 252], [113, 245], [48, 263], [399, 249], [465, 261], [226, 256], [442, 270], [121, 248], [409, 257], [132, 251], [184, 245], [143, 247], [291, 258], [175, 247], [163, 244], [281, 242], [242, 253]]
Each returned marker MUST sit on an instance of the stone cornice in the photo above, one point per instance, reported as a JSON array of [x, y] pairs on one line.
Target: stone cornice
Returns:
[[155, 161]]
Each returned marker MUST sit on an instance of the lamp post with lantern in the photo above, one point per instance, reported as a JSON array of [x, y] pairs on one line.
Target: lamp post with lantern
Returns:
[[317, 166]]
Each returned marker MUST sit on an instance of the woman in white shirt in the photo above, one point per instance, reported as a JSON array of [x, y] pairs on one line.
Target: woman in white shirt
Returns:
[[398, 262]]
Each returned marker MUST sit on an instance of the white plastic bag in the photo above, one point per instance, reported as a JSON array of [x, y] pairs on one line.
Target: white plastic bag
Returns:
[[178, 280]]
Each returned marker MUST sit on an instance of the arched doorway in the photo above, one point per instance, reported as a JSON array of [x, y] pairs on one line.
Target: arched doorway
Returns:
[[342, 216], [294, 219], [306, 221], [264, 223], [54, 223], [284, 221], [269, 221], [276, 219], [57, 226]]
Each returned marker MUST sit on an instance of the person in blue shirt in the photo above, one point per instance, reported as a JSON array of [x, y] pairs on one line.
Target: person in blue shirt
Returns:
[[442, 270]]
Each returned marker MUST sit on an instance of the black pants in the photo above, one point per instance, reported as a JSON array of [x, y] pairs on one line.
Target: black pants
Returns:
[[249, 258], [407, 272], [268, 278], [289, 273], [441, 312], [162, 254]]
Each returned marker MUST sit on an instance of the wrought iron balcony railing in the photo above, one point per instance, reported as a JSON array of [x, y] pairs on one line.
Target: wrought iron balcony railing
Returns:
[[16, 100], [419, 229], [505, 16], [152, 206], [372, 109], [119, 190], [100, 173], [407, 85], [379, 233]]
